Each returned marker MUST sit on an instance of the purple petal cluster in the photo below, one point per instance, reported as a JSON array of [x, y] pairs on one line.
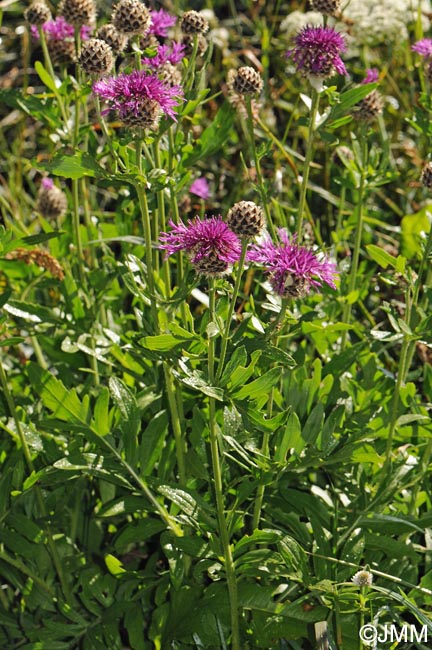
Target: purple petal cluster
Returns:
[[423, 47], [127, 92], [173, 54], [161, 22], [372, 75], [203, 238], [59, 30], [317, 51], [200, 188], [293, 269]]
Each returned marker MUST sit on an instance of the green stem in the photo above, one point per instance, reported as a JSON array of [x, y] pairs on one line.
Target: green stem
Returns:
[[176, 425], [259, 498], [116, 158], [218, 487], [400, 380], [77, 232], [51, 73], [307, 163], [161, 221], [41, 503], [231, 309], [189, 76], [145, 218], [261, 187], [346, 314]]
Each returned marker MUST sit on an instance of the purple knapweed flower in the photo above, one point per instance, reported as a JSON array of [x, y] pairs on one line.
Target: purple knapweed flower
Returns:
[[423, 47], [200, 188], [210, 244], [317, 52], [140, 98], [173, 54], [59, 30], [161, 22], [372, 75], [293, 269]]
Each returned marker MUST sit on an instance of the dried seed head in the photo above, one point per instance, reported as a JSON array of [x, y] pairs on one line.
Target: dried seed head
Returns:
[[246, 219], [363, 578], [131, 17], [426, 175], [78, 12], [326, 7], [51, 201], [39, 257], [115, 39], [211, 265], [188, 42], [193, 22], [37, 14], [170, 74], [247, 81], [96, 57], [369, 107]]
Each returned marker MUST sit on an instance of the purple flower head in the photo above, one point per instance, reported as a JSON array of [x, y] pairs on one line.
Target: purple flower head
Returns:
[[293, 269], [161, 22], [200, 188], [317, 51], [47, 183], [59, 30], [372, 75], [173, 54], [423, 47], [137, 95], [210, 243]]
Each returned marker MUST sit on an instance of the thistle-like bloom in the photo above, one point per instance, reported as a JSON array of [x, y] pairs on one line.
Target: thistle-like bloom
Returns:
[[200, 188], [140, 98], [173, 54], [423, 47], [59, 30], [317, 52], [293, 269], [161, 22], [210, 244]]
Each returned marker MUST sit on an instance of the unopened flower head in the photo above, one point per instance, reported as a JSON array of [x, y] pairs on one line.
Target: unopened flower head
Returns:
[[363, 578], [326, 7], [78, 12], [200, 188], [368, 108], [193, 22], [246, 219], [131, 17], [37, 14], [51, 200], [293, 270], [247, 81], [209, 242], [140, 98], [161, 22], [317, 52]]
